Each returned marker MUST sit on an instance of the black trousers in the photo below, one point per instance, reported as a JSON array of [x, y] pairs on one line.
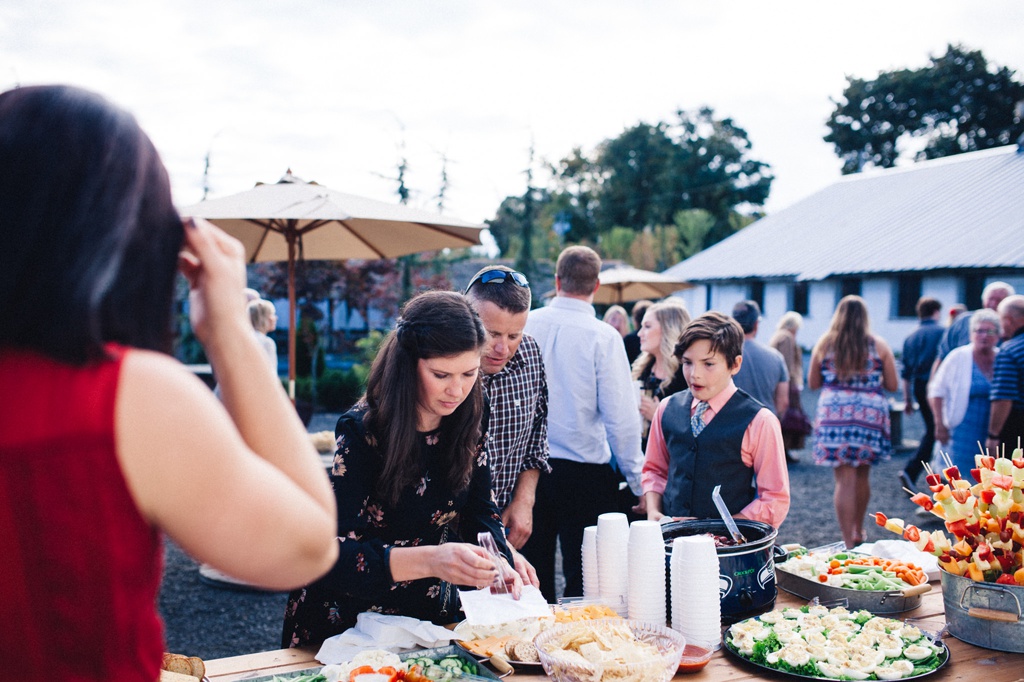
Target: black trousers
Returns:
[[1013, 431], [568, 500], [924, 451]]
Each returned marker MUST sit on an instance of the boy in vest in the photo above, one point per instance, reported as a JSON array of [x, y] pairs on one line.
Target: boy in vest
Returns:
[[714, 434]]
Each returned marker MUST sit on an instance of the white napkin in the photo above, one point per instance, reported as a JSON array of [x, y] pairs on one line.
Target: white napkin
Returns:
[[902, 551], [379, 631], [484, 608]]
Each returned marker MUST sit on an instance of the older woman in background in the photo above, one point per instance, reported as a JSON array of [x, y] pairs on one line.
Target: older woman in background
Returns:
[[959, 391], [853, 368], [617, 317], [784, 341], [263, 316]]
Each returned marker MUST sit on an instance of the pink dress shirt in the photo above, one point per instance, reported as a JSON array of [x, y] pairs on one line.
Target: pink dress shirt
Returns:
[[762, 450]]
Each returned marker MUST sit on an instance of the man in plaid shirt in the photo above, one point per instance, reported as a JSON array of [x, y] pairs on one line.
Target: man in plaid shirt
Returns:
[[515, 384]]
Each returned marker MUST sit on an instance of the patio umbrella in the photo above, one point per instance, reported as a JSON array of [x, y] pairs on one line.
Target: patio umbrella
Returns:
[[294, 219], [626, 283]]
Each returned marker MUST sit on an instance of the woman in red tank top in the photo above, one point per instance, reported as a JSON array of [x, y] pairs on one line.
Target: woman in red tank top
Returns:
[[106, 441]]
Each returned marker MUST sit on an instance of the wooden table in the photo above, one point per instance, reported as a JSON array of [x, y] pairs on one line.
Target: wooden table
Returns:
[[968, 663]]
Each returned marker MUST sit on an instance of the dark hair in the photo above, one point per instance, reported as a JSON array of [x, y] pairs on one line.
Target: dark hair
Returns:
[[433, 324], [723, 333], [506, 294], [90, 235], [927, 306], [578, 269], [748, 314], [848, 337], [639, 309]]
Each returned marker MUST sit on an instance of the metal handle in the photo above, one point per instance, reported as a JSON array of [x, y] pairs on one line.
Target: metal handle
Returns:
[[915, 590], [990, 614]]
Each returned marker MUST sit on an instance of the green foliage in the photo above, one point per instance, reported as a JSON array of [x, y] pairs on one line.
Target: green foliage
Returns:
[[640, 181], [955, 104], [337, 390], [368, 348]]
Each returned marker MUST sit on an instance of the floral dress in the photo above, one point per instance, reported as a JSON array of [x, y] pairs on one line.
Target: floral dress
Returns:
[[852, 421], [427, 513]]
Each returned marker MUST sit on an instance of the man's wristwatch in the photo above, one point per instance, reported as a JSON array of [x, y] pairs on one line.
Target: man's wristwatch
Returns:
[[993, 436]]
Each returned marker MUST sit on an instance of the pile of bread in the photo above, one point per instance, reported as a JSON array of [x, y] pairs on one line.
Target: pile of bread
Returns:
[[179, 668]]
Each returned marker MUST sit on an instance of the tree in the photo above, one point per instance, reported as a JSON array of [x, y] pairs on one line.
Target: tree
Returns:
[[956, 104], [651, 172], [639, 181]]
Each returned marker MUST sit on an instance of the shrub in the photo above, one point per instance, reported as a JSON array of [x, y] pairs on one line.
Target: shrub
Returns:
[[338, 389]]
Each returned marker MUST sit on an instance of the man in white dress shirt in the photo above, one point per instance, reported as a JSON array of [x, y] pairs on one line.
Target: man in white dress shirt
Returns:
[[592, 416]]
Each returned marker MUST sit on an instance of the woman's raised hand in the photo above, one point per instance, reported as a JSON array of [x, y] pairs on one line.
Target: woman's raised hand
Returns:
[[213, 262]]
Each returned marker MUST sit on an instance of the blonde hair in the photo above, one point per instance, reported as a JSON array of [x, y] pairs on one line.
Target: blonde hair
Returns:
[[673, 317], [616, 316], [791, 321], [260, 311]]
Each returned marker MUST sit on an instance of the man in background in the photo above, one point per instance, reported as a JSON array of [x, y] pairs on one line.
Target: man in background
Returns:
[[512, 376], [763, 374], [1006, 410], [592, 412], [958, 333], [919, 351]]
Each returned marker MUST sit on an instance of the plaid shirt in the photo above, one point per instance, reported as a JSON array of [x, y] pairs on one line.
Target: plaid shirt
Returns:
[[518, 429]]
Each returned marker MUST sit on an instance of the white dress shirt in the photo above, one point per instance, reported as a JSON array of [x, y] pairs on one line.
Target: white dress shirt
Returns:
[[592, 407]]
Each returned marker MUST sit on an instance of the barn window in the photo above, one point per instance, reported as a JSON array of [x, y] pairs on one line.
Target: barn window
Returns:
[[799, 298], [849, 286], [908, 291], [755, 292]]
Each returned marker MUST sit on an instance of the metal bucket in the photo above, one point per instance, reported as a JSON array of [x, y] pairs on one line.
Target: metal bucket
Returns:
[[984, 614]]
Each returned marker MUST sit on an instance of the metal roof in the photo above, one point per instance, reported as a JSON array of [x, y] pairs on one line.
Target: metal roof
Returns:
[[963, 211]]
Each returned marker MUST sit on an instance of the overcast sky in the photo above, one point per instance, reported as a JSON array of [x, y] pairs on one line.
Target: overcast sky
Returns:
[[333, 89]]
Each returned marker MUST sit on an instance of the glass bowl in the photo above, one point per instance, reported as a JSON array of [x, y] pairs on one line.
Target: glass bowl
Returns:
[[572, 665]]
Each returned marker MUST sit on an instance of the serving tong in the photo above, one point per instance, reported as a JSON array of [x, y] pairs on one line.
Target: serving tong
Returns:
[[500, 585]]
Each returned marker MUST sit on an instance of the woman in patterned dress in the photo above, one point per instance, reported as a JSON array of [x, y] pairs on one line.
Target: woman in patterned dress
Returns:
[[853, 368], [411, 479]]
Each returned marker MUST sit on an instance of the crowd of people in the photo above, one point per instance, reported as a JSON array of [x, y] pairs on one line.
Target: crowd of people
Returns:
[[480, 415]]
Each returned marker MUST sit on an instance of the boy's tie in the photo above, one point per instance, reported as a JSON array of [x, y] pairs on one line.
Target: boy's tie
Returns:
[[697, 420]]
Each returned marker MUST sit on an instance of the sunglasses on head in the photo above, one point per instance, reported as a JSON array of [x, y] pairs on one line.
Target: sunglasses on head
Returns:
[[499, 276]]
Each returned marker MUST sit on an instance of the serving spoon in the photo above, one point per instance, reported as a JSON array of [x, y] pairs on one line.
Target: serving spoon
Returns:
[[730, 522]]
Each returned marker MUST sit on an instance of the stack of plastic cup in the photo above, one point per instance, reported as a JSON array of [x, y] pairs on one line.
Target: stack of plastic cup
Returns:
[[612, 564], [645, 556], [696, 603], [591, 580]]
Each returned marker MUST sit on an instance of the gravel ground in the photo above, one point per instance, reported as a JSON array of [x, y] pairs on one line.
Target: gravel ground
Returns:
[[211, 622]]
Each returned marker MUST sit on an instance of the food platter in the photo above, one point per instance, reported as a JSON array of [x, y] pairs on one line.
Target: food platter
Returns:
[[875, 601], [932, 655], [524, 630]]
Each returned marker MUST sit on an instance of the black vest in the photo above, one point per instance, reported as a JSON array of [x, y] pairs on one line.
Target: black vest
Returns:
[[697, 465]]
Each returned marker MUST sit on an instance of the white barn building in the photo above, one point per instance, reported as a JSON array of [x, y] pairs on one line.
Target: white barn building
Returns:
[[943, 228]]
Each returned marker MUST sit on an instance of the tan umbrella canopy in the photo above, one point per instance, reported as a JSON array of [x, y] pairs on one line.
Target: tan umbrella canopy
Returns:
[[626, 283], [294, 219]]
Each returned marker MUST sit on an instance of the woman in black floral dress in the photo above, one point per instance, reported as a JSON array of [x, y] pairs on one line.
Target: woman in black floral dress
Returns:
[[411, 481]]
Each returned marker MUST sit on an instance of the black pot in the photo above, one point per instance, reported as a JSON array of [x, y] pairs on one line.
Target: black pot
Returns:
[[746, 572]]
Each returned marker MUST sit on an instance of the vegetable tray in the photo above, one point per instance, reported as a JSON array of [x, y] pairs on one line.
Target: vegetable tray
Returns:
[[436, 653], [873, 601]]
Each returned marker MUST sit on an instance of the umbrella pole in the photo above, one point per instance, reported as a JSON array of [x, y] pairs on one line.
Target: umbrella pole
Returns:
[[291, 316]]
